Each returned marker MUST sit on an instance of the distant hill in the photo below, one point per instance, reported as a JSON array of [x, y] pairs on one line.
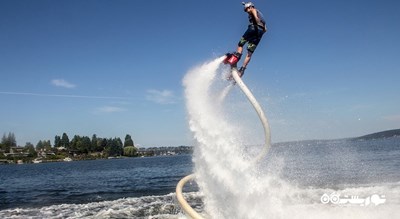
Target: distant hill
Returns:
[[377, 135]]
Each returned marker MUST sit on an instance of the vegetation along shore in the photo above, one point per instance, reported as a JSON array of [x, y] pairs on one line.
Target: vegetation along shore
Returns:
[[78, 148]]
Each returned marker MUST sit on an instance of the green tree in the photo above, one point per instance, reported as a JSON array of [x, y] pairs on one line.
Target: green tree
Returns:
[[8, 141], [120, 146], [102, 145], [75, 143], [86, 144], [30, 148], [65, 141], [130, 151], [44, 145], [2, 156], [93, 143], [57, 141], [108, 149], [118, 143], [81, 144], [2, 145], [114, 147], [47, 145], [40, 145], [128, 141]]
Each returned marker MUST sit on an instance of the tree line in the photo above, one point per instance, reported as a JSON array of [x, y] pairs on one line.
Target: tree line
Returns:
[[78, 145]]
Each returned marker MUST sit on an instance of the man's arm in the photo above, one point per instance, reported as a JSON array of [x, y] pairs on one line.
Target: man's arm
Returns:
[[253, 12]]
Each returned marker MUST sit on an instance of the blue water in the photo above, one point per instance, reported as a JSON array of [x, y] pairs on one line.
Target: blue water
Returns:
[[144, 187], [36, 185], [340, 163]]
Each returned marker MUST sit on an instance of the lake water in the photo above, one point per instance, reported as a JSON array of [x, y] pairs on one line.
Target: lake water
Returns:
[[144, 187], [63, 184]]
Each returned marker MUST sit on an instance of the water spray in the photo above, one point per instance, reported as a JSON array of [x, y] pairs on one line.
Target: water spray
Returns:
[[185, 206]]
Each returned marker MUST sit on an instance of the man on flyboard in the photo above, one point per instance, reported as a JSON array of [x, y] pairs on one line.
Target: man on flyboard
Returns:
[[252, 37]]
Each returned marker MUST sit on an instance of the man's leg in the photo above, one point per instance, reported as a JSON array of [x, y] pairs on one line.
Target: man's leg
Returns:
[[245, 63], [247, 59], [239, 49], [241, 43], [253, 38]]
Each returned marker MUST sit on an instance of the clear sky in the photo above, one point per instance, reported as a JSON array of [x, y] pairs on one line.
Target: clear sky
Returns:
[[325, 69]]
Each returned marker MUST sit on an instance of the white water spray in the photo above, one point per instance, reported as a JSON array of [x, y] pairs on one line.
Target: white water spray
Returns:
[[232, 185], [227, 179]]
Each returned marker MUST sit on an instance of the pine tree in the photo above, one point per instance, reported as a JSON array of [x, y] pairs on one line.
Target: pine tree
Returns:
[[57, 141], [8, 141], [93, 146], [128, 141], [64, 141]]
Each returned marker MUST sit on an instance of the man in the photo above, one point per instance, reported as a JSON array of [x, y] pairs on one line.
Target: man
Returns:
[[252, 36]]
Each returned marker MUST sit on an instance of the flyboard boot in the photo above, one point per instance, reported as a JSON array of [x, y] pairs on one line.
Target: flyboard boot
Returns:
[[232, 59], [241, 71]]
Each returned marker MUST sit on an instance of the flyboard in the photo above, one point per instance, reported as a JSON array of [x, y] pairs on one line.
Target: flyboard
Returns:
[[230, 59]]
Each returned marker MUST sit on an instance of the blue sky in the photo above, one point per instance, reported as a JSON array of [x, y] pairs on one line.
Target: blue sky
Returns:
[[325, 69]]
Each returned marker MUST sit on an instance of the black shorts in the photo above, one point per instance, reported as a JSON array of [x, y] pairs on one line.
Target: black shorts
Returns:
[[252, 37]]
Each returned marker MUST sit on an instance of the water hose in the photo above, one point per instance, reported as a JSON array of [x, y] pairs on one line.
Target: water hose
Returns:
[[185, 206], [260, 113]]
